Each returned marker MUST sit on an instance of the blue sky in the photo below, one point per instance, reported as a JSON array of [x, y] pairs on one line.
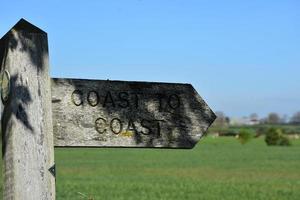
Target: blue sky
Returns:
[[241, 56]]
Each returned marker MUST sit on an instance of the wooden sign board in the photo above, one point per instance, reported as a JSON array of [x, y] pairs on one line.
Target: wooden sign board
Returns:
[[100, 113]]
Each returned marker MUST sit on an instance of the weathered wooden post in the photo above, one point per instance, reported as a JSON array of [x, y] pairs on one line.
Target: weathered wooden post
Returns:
[[26, 116]]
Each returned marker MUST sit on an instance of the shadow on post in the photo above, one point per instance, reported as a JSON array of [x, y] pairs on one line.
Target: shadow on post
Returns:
[[21, 40]]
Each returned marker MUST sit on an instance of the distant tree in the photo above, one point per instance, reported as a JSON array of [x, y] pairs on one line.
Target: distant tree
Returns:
[[254, 116], [221, 120], [244, 136], [263, 120], [295, 119], [227, 120], [284, 119], [273, 118], [276, 136]]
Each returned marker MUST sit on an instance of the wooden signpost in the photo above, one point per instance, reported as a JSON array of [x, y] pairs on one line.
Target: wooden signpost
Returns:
[[85, 113], [26, 116]]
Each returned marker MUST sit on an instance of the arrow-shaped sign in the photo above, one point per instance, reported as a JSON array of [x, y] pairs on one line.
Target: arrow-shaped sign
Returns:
[[98, 113]]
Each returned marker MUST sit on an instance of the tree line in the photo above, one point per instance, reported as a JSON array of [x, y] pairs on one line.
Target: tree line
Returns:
[[272, 118]]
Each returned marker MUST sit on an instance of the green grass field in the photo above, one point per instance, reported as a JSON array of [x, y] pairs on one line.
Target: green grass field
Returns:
[[218, 168]]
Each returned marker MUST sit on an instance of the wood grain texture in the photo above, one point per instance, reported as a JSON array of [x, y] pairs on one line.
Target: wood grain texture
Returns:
[[99, 113], [26, 120]]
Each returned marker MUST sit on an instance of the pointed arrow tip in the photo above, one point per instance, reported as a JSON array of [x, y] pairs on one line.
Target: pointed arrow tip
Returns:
[[24, 25], [52, 170], [208, 114]]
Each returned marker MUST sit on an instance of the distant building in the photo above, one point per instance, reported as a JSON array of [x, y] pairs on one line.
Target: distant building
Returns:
[[244, 121]]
